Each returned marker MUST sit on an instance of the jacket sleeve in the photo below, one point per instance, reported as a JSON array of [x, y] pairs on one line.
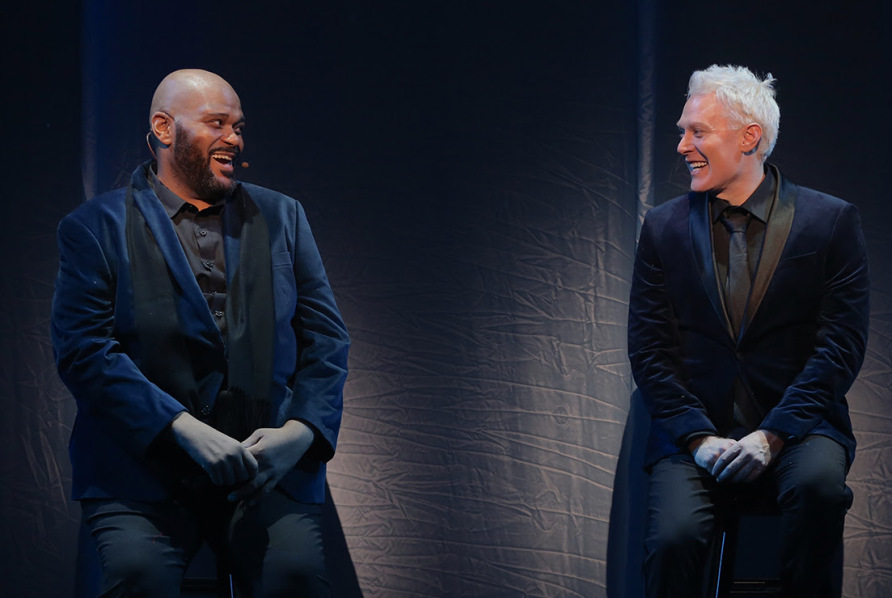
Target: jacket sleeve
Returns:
[[322, 345], [654, 348], [105, 382], [841, 338]]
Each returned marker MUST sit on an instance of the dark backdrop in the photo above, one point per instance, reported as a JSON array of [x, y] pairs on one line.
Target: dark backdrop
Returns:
[[474, 173]]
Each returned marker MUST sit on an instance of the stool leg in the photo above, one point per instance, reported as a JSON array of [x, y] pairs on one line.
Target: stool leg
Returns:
[[225, 587], [719, 578], [727, 554]]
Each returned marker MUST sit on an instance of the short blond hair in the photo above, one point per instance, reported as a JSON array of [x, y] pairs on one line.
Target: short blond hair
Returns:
[[746, 98]]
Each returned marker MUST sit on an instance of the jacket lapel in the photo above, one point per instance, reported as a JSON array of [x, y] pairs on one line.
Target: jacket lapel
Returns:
[[780, 221], [704, 257], [165, 236]]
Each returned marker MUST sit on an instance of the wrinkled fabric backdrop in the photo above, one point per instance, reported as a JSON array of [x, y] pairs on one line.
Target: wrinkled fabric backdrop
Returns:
[[475, 173]]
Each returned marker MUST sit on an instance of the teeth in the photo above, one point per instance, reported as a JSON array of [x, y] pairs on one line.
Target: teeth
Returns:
[[696, 165]]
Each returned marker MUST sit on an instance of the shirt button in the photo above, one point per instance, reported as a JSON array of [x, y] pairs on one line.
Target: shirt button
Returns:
[[203, 232], [218, 313], [210, 264]]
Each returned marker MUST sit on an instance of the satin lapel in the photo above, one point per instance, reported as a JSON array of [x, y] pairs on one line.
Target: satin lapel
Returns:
[[701, 243], [780, 221], [162, 230]]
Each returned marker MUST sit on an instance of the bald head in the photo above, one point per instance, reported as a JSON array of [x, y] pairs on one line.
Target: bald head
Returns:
[[197, 121], [184, 86]]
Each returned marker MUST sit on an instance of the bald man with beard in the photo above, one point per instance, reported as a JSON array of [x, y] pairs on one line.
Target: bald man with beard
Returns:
[[195, 326]]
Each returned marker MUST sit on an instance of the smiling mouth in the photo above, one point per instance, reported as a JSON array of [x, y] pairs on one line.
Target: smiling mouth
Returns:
[[226, 160], [695, 166]]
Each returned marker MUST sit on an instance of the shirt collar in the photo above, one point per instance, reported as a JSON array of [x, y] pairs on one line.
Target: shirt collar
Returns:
[[173, 204], [758, 204]]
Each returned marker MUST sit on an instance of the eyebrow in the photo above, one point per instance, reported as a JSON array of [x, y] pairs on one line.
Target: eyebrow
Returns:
[[223, 115]]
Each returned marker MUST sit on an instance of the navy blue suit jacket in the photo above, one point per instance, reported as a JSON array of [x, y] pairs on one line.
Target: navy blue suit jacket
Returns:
[[121, 412], [805, 330]]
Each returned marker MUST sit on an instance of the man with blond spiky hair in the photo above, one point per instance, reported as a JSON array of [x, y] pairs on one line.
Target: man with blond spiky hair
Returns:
[[748, 323]]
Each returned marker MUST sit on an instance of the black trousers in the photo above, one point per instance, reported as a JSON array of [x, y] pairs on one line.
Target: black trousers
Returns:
[[684, 501], [273, 548]]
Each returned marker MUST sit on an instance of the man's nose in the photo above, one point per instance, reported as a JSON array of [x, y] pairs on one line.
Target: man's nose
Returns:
[[684, 144], [233, 137]]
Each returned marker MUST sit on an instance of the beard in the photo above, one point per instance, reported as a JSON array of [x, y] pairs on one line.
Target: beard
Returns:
[[195, 167]]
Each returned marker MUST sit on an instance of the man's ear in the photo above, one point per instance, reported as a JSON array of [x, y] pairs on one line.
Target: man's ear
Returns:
[[750, 139], [163, 128]]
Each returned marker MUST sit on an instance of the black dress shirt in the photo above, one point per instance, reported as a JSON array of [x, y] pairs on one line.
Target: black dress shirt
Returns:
[[201, 234], [759, 206]]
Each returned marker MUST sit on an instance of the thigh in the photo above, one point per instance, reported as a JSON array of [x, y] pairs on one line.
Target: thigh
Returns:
[[276, 548], [143, 547], [813, 498], [681, 518], [681, 501], [812, 474]]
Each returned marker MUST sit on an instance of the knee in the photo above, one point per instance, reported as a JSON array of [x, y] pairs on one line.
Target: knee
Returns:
[[287, 574], [141, 572], [812, 477], [675, 555], [678, 535], [818, 495]]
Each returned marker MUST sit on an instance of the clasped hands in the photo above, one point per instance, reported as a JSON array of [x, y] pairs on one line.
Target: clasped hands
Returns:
[[255, 465], [736, 461]]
